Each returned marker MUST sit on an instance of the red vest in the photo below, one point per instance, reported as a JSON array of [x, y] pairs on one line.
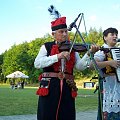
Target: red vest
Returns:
[[69, 64]]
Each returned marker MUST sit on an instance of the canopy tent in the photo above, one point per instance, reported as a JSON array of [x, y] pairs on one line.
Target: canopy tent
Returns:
[[17, 74]]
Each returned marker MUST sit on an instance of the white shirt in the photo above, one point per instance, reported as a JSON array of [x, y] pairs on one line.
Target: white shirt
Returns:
[[111, 88], [42, 60]]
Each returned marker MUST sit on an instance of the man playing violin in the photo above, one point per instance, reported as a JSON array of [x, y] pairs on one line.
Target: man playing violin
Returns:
[[58, 90]]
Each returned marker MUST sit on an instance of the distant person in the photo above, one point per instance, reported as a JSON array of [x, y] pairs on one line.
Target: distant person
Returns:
[[15, 86], [12, 84], [22, 84], [19, 85]]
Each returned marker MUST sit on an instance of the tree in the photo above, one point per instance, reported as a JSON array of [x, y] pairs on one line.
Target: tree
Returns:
[[21, 57], [1, 63], [95, 36]]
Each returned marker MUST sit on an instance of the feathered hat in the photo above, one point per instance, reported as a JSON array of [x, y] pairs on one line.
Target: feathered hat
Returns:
[[59, 22]]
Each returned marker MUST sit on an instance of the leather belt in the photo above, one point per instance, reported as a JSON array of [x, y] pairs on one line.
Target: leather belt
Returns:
[[59, 75]]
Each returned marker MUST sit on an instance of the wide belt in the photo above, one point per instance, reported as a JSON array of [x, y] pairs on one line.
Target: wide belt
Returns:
[[59, 75]]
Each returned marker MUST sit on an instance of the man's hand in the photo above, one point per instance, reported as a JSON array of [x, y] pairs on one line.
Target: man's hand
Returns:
[[93, 49], [64, 55]]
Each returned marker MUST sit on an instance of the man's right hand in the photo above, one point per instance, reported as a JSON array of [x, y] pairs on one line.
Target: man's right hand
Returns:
[[64, 55]]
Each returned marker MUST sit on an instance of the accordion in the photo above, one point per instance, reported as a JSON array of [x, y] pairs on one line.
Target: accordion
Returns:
[[115, 53]]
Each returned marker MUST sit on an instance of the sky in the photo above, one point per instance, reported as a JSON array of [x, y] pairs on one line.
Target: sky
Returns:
[[26, 20]]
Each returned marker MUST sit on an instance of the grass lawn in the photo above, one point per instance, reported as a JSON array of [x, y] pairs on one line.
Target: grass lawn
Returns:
[[86, 100], [24, 101]]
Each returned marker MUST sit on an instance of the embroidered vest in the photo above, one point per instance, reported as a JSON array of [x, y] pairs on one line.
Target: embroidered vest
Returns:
[[108, 69], [53, 49]]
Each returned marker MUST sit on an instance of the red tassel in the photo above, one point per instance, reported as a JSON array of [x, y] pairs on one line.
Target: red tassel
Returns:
[[40, 77], [74, 94], [42, 91], [38, 91], [45, 91]]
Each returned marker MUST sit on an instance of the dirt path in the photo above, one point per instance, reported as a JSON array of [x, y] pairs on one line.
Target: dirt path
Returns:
[[90, 115]]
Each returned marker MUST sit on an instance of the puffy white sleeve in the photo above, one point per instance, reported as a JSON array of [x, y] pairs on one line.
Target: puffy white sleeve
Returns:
[[81, 63], [99, 56], [42, 60]]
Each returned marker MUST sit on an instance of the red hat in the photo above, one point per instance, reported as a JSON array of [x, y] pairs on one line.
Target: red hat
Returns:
[[59, 23]]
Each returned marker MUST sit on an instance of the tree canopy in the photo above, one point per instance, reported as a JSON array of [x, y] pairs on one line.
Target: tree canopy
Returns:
[[21, 57]]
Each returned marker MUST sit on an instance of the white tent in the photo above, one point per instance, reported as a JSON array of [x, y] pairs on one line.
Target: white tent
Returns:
[[17, 74]]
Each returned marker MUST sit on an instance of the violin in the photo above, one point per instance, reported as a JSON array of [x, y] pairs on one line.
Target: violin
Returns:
[[76, 47]]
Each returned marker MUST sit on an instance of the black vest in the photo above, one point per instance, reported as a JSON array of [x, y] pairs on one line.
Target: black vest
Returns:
[[48, 47]]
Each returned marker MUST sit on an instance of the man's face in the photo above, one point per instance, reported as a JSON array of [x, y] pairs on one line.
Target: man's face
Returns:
[[60, 35], [111, 39]]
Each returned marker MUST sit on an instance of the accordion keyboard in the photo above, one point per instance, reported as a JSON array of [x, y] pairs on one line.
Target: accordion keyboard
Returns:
[[116, 56]]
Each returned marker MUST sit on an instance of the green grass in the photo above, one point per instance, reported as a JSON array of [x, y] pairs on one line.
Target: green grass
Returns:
[[18, 101], [86, 100], [24, 101]]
